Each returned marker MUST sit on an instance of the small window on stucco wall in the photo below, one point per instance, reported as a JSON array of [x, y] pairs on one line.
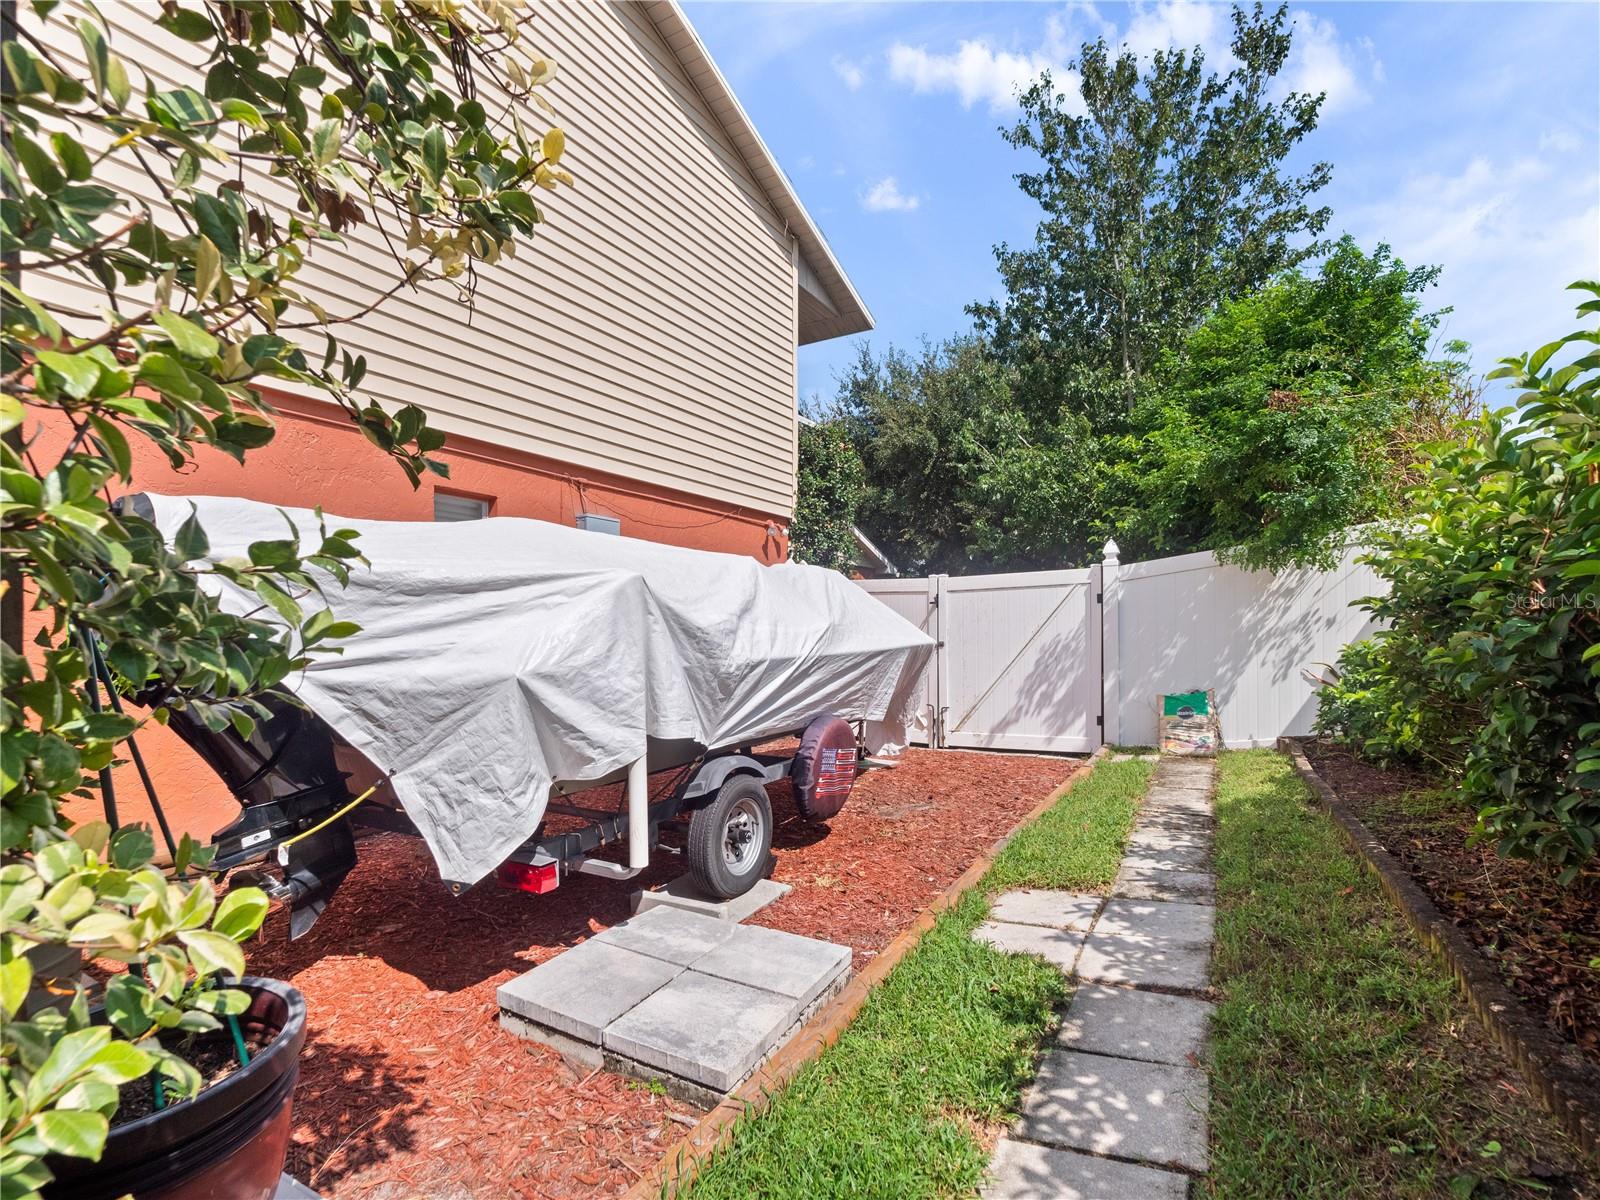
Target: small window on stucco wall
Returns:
[[447, 507]]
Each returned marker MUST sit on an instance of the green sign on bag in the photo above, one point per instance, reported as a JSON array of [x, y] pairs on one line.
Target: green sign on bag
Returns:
[[1185, 705]]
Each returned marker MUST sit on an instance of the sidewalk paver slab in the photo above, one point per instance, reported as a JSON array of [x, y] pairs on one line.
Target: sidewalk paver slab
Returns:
[[1159, 923], [670, 934], [1166, 800], [1023, 1171], [1037, 906], [1148, 1112], [582, 990], [786, 963], [1175, 821], [1136, 882], [1126, 1023], [1057, 946], [1129, 959], [708, 1030], [1156, 850]]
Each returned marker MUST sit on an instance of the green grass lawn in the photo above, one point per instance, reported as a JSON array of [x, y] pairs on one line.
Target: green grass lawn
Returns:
[[939, 1053], [1343, 1061]]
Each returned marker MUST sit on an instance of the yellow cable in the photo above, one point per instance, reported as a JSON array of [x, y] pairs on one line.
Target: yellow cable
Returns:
[[323, 824]]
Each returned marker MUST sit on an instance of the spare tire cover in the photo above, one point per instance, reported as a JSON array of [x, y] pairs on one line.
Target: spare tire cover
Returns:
[[824, 768]]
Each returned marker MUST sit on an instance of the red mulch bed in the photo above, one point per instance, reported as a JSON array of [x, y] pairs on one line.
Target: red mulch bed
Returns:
[[408, 1087], [1540, 935]]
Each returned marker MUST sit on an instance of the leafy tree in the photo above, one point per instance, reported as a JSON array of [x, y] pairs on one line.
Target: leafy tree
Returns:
[[1164, 193], [958, 478], [365, 111], [1490, 663], [1289, 416], [829, 487]]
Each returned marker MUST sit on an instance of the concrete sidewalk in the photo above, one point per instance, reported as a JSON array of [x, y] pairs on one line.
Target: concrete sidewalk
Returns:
[[1118, 1110]]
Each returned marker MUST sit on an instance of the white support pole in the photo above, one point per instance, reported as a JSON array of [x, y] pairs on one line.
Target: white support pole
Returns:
[[1110, 645], [638, 814]]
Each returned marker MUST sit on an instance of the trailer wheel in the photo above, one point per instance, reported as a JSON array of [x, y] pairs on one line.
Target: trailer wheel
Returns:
[[730, 839]]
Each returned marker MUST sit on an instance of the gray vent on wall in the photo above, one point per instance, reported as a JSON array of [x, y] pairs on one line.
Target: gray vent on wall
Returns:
[[595, 523], [458, 508]]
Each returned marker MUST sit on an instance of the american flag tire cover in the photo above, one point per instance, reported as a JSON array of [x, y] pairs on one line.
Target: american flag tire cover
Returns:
[[824, 768]]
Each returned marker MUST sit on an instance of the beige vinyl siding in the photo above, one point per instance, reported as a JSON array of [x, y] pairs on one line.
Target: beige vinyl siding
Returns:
[[648, 330]]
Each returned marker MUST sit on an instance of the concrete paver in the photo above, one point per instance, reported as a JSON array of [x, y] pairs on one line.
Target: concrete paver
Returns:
[[1056, 946], [583, 990], [1152, 1112], [1023, 1171], [1158, 922], [669, 933], [1035, 906], [1113, 958], [708, 1030], [1128, 1023], [794, 966], [1136, 882]]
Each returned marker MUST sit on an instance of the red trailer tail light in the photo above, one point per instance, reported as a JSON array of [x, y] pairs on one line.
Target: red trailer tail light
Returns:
[[537, 878]]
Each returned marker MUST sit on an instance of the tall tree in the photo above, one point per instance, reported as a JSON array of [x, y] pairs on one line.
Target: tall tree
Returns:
[[1164, 192], [958, 478], [1289, 416]]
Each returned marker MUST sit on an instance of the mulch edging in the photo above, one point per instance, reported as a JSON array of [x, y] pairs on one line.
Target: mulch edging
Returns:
[[678, 1167], [1556, 1073]]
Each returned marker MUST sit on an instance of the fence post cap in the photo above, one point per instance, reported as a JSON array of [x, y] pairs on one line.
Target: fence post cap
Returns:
[[1111, 550]]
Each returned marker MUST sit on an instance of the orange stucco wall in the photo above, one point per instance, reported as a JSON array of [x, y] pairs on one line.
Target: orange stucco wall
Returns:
[[318, 457]]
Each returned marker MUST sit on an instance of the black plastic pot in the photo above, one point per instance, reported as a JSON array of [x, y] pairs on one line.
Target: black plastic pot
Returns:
[[227, 1143]]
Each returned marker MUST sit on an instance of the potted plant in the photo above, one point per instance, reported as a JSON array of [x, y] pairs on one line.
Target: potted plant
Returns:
[[71, 1068], [367, 111]]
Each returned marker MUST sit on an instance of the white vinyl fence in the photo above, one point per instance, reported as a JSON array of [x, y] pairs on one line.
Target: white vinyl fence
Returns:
[[1066, 660]]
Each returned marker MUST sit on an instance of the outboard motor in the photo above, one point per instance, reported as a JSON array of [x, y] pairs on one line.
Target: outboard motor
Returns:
[[287, 779]]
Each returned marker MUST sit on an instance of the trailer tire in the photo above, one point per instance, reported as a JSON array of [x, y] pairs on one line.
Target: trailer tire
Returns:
[[730, 839]]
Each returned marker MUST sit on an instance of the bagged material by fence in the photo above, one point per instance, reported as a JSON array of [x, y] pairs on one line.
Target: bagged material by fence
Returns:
[[498, 656], [1188, 724]]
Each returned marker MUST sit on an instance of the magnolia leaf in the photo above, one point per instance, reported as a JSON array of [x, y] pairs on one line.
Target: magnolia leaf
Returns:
[[67, 1059], [189, 339], [554, 145], [241, 912], [212, 952], [191, 542], [73, 1132], [207, 268], [16, 977], [127, 1001], [132, 847], [435, 157], [78, 372], [120, 1062]]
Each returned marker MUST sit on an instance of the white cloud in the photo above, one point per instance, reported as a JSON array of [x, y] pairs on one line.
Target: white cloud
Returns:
[[979, 70], [849, 72], [886, 196], [1558, 141], [1181, 25], [975, 72], [1510, 237], [1320, 62]]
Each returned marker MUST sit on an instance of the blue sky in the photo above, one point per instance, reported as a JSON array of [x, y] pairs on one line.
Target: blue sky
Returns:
[[1465, 135]]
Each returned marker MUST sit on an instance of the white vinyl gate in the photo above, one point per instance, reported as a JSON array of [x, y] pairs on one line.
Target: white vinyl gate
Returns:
[[1064, 660], [1018, 664]]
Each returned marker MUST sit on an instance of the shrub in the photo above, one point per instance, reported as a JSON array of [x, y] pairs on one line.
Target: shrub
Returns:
[[1490, 663], [829, 488]]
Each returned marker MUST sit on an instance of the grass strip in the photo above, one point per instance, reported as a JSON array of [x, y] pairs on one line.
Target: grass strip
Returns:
[[1342, 1062], [901, 1105]]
